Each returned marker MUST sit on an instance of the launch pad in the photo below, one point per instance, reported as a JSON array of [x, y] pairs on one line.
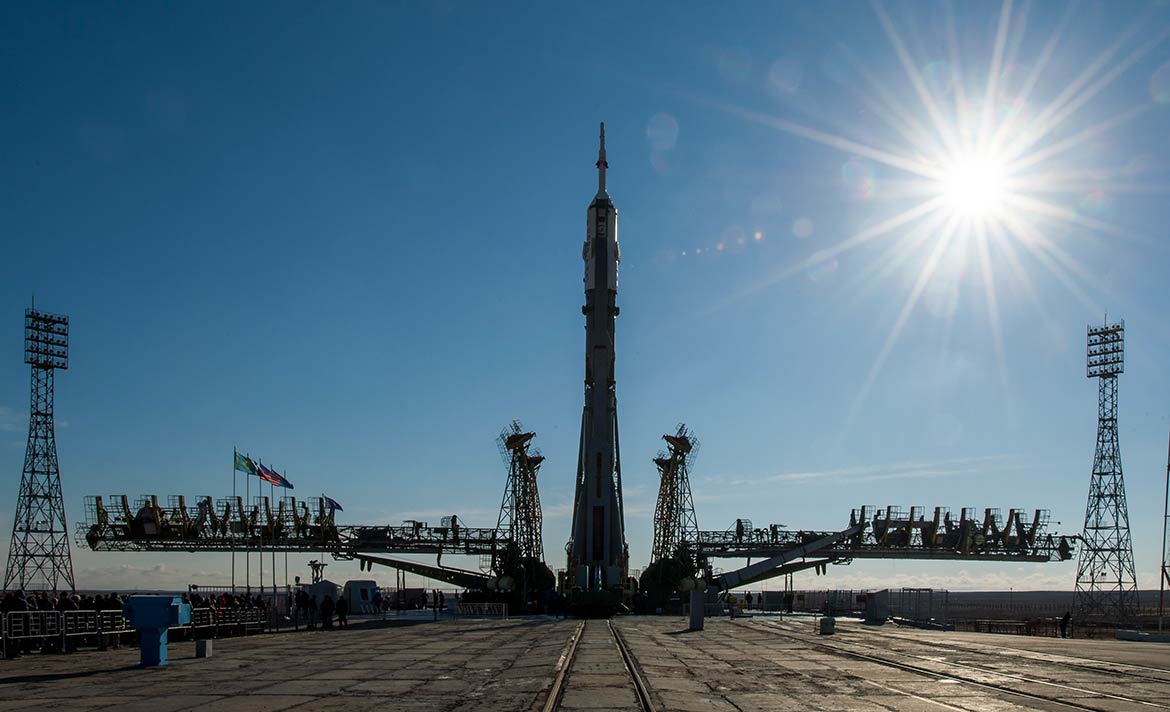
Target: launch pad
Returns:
[[595, 580], [763, 663]]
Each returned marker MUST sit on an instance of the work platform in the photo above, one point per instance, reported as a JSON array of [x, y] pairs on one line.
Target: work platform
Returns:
[[749, 664], [227, 524]]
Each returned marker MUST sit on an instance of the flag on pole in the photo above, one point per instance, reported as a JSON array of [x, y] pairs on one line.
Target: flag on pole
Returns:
[[332, 503], [245, 464], [272, 477]]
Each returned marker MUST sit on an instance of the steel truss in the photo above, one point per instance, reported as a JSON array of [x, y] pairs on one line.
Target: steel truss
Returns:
[[520, 516], [1106, 585], [39, 557], [892, 533], [675, 524], [295, 526]]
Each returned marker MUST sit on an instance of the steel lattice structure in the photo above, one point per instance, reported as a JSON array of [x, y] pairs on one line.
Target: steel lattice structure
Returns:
[[1106, 585], [1164, 579], [520, 518], [39, 556], [675, 523]]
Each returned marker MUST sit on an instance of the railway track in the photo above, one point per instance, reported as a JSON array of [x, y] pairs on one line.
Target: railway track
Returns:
[[589, 638], [1104, 667], [967, 674]]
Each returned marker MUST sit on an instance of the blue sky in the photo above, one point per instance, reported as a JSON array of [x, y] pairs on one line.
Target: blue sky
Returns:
[[347, 240]]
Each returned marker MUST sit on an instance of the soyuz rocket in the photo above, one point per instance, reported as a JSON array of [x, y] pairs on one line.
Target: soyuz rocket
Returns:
[[597, 551]]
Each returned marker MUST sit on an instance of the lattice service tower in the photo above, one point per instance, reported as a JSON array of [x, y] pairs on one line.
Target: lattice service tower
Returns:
[[39, 557], [675, 523], [520, 517], [597, 552], [1106, 584]]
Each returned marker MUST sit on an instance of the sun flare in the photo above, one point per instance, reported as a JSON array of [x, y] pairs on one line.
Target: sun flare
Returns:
[[974, 187], [988, 169]]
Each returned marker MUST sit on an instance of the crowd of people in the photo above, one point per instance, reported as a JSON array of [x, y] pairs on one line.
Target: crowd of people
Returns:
[[62, 602], [313, 614], [232, 601], [30, 601]]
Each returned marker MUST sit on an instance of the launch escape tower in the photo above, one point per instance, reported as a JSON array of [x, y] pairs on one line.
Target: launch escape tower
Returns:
[[1106, 585], [597, 551], [675, 524], [39, 556]]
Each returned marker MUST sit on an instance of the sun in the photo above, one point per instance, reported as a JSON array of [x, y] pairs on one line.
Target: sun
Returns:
[[973, 186]]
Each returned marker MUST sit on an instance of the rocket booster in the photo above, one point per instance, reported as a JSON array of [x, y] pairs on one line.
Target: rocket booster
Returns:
[[597, 552]]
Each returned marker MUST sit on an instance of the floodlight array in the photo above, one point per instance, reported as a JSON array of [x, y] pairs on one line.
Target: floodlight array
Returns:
[[1106, 350], [46, 339]]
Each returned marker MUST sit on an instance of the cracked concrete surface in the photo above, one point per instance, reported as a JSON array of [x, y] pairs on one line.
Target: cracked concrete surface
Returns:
[[471, 665]]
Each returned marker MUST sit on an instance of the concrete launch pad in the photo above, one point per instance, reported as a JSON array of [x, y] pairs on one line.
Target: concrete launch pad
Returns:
[[760, 663]]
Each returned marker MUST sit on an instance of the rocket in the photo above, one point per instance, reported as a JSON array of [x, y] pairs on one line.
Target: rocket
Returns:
[[597, 550]]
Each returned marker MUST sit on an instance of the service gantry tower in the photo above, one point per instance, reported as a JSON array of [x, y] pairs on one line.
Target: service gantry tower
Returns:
[[1106, 586], [39, 555], [520, 518], [675, 524], [597, 552]]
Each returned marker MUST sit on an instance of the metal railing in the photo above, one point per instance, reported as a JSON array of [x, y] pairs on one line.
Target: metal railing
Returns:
[[59, 627], [497, 610]]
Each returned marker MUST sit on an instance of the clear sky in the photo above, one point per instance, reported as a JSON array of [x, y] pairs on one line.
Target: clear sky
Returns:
[[860, 247]]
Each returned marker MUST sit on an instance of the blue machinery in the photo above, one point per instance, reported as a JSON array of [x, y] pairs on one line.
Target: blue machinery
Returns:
[[152, 616]]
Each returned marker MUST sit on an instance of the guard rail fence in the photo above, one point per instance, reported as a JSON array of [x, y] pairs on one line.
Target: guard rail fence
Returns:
[[66, 630]]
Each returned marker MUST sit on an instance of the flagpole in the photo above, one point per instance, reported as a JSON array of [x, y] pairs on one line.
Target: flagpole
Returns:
[[272, 491], [247, 538], [260, 543], [235, 454]]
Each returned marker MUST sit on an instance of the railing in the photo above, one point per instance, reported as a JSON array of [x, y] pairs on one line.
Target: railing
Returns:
[[498, 610], [60, 628], [32, 624]]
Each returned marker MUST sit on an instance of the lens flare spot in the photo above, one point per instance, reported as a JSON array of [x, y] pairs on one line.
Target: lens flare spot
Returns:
[[759, 235], [1097, 204], [662, 132], [859, 179], [822, 270], [802, 228], [784, 76], [941, 298], [732, 238]]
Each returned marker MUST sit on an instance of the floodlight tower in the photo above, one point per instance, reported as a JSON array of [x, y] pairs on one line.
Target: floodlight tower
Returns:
[[1106, 584], [1164, 580], [39, 555]]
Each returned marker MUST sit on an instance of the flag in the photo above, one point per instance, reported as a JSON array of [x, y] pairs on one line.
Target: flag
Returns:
[[245, 464], [332, 503], [271, 476]]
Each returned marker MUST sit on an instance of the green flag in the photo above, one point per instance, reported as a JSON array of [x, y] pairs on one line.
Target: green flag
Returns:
[[245, 464]]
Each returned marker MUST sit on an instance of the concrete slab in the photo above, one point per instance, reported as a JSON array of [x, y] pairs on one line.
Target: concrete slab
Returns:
[[477, 666]]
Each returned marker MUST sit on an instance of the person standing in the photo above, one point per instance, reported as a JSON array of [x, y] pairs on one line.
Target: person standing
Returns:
[[327, 612], [1064, 621], [342, 611]]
